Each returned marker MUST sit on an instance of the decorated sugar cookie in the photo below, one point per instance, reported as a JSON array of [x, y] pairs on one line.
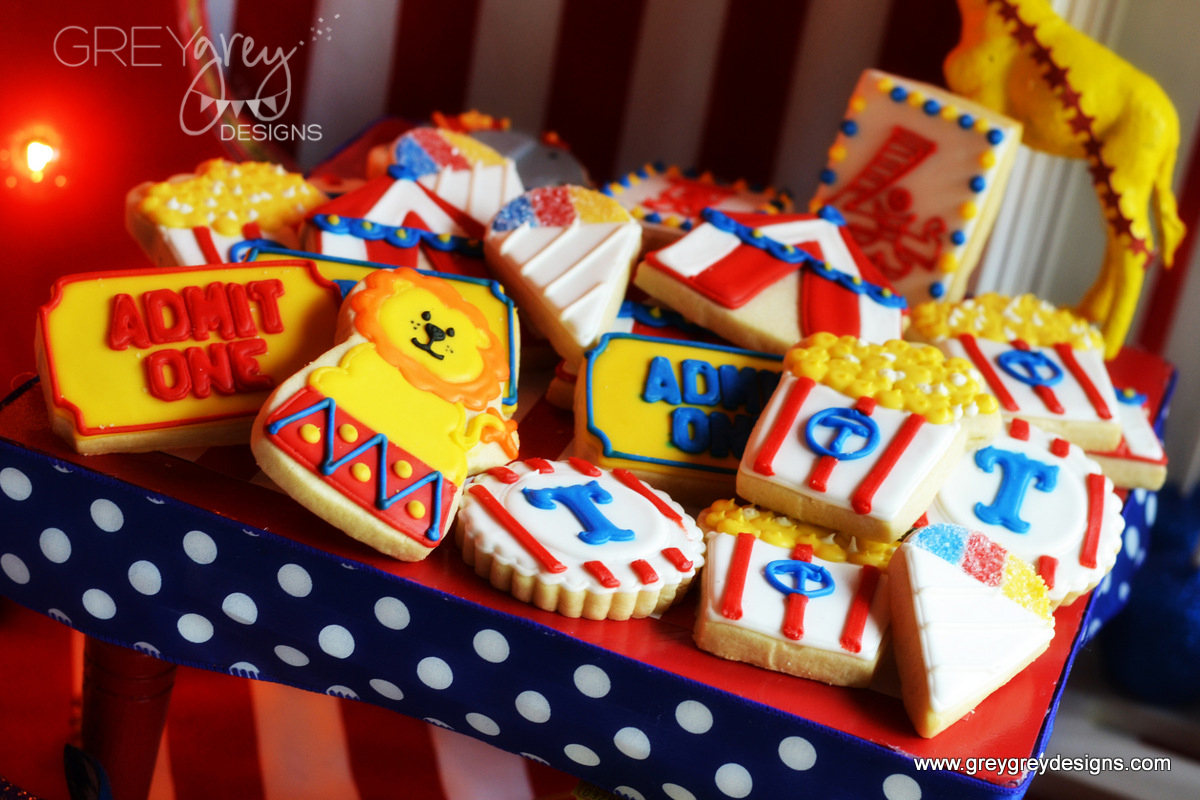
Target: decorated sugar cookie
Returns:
[[787, 610], [1043, 364], [676, 413], [378, 435], [1139, 461], [766, 281], [152, 358], [564, 253], [668, 201], [192, 220], [1040, 497], [919, 174], [967, 616], [859, 437], [573, 538]]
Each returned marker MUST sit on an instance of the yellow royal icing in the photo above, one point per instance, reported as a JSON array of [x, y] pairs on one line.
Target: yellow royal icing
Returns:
[[1024, 586], [1002, 319], [596, 207], [473, 150]]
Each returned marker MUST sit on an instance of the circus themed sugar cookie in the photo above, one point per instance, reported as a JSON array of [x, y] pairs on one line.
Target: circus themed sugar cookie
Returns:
[[1044, 364], [859, 437], [564, 253], [190, 220], [1040, 497], [766, 281], [570, 537], [1139, 461], [378, 435], [788, 610], [967, 616], [919, 174]]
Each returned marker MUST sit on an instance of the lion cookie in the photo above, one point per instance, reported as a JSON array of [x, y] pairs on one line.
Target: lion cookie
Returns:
[[576, 539], [378, 435], [1044, 364], [859, 437], [966, 617]]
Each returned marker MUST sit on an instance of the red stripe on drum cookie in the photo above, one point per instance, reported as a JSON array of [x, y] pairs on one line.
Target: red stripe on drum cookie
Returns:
[[1097, 491], [517, 530], [633, 482], [432, 57]]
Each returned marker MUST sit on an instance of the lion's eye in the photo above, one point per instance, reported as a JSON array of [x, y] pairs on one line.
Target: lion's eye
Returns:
[[449, 331], [425, 315]]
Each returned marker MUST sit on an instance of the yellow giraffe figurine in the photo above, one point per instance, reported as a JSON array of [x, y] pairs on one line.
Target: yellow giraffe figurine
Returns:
[[1080, 100]]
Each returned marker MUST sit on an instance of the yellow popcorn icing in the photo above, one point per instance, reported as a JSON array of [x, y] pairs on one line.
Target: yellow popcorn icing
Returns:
[[727, 516], [1002, 319], [1025, 587], [225, 196], [899, 375]]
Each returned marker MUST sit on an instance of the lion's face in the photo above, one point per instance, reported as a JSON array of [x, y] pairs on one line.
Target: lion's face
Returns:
[[424, 328]]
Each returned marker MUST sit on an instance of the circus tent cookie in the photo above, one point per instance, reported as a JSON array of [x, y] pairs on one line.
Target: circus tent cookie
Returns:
[[786, 610], [1040, 497], [766, 281], [378, 435], [576, 539], [859, 437], [966, 617], [919, 174], [564, 253], [1139, 461], [191, 220], [1043, 364], [668, 201]]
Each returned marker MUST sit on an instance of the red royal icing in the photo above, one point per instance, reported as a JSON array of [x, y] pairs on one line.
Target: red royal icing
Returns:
[[1096, 489], [1047, 567], [865, 493], [1019, 429], [783, 425], [208, 248], [584, 466], [983, 559], [860, 610], [735, 584], [1045, 393], [517, 530], [989, 373], [629, 479], [644, 571], [1067, 354], [677, 559], [602, 574]]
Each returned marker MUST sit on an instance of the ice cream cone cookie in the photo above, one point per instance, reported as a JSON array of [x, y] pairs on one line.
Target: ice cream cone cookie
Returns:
[[966, 617]]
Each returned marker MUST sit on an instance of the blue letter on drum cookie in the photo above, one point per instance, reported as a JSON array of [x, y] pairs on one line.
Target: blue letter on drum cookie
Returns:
[[581, 500], [1018, 472]]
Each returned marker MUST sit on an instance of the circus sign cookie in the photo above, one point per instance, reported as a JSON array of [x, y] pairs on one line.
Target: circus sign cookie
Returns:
[[144, 359], [1043, 364], [1040, 497], [788, 610], [859, 437], [565, 254], [767, 281], [378, 435], [678, 413], [919, 174], [583, 541]]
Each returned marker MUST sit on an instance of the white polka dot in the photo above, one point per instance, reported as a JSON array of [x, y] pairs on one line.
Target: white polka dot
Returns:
[[145, 577], [677, 792], [99, 604], [14, 568], [336, 641], [15, 484], [592, 681], [1139, 496], [56, 547], [291, 656], [435, 673], [147, 648], [107, 516], [240, 608], [392, 613], [1094, 628], [485, 725], [59, 616], [584, 756], [200, 547], [295, 580], [1151, 509], [1105, 584], [901, 787], [342, 691], [1123, 591], [243, 669], [386, 688], [533, 706], [797, 753], [633, 743], [693, 716], [195, 628], [491, 646], [1141, 556], [734, 780], [1133, 540], [632, 794]]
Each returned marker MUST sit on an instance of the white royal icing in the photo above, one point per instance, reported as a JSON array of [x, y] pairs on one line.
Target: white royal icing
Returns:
[[182, 249], [480, 191], [1141, 442]]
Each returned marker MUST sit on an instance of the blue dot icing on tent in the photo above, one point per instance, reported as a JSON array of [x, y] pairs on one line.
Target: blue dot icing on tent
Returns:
[[849, 127], [937, 290], [995, 136], [966, 122], [931, 107], [958, 238], [828, 176], [978, 184], [899, 94]]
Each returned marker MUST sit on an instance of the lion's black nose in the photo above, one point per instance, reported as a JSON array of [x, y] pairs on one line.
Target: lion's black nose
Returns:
[[434, 333]]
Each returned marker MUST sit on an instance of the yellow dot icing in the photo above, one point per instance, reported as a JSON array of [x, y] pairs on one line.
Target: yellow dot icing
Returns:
[[348, 433], [403, 469], [948, 262], [900, 375], [837, 153], [968, 210], [225, 196], [858, 103], [361, 472], [1001, 318], [416, 509], [594, 207], [310, 433], [987, 160], [1024, 586]]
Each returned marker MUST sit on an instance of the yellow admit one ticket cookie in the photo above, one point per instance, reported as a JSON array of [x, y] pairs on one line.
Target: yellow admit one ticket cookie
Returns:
[[142, 359]]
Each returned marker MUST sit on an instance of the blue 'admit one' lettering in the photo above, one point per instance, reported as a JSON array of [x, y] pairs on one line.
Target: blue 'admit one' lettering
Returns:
[[1018, 472], [581, 500]]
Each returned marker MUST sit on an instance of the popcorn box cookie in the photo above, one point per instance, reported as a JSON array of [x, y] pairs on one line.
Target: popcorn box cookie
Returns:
[[919, 174], [1043, 364], [573, 538], [859, 437], [1139, 461], [1040, 497], [966, 617], [193, 220], [767, 281], [675, 413], [152, 358]]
